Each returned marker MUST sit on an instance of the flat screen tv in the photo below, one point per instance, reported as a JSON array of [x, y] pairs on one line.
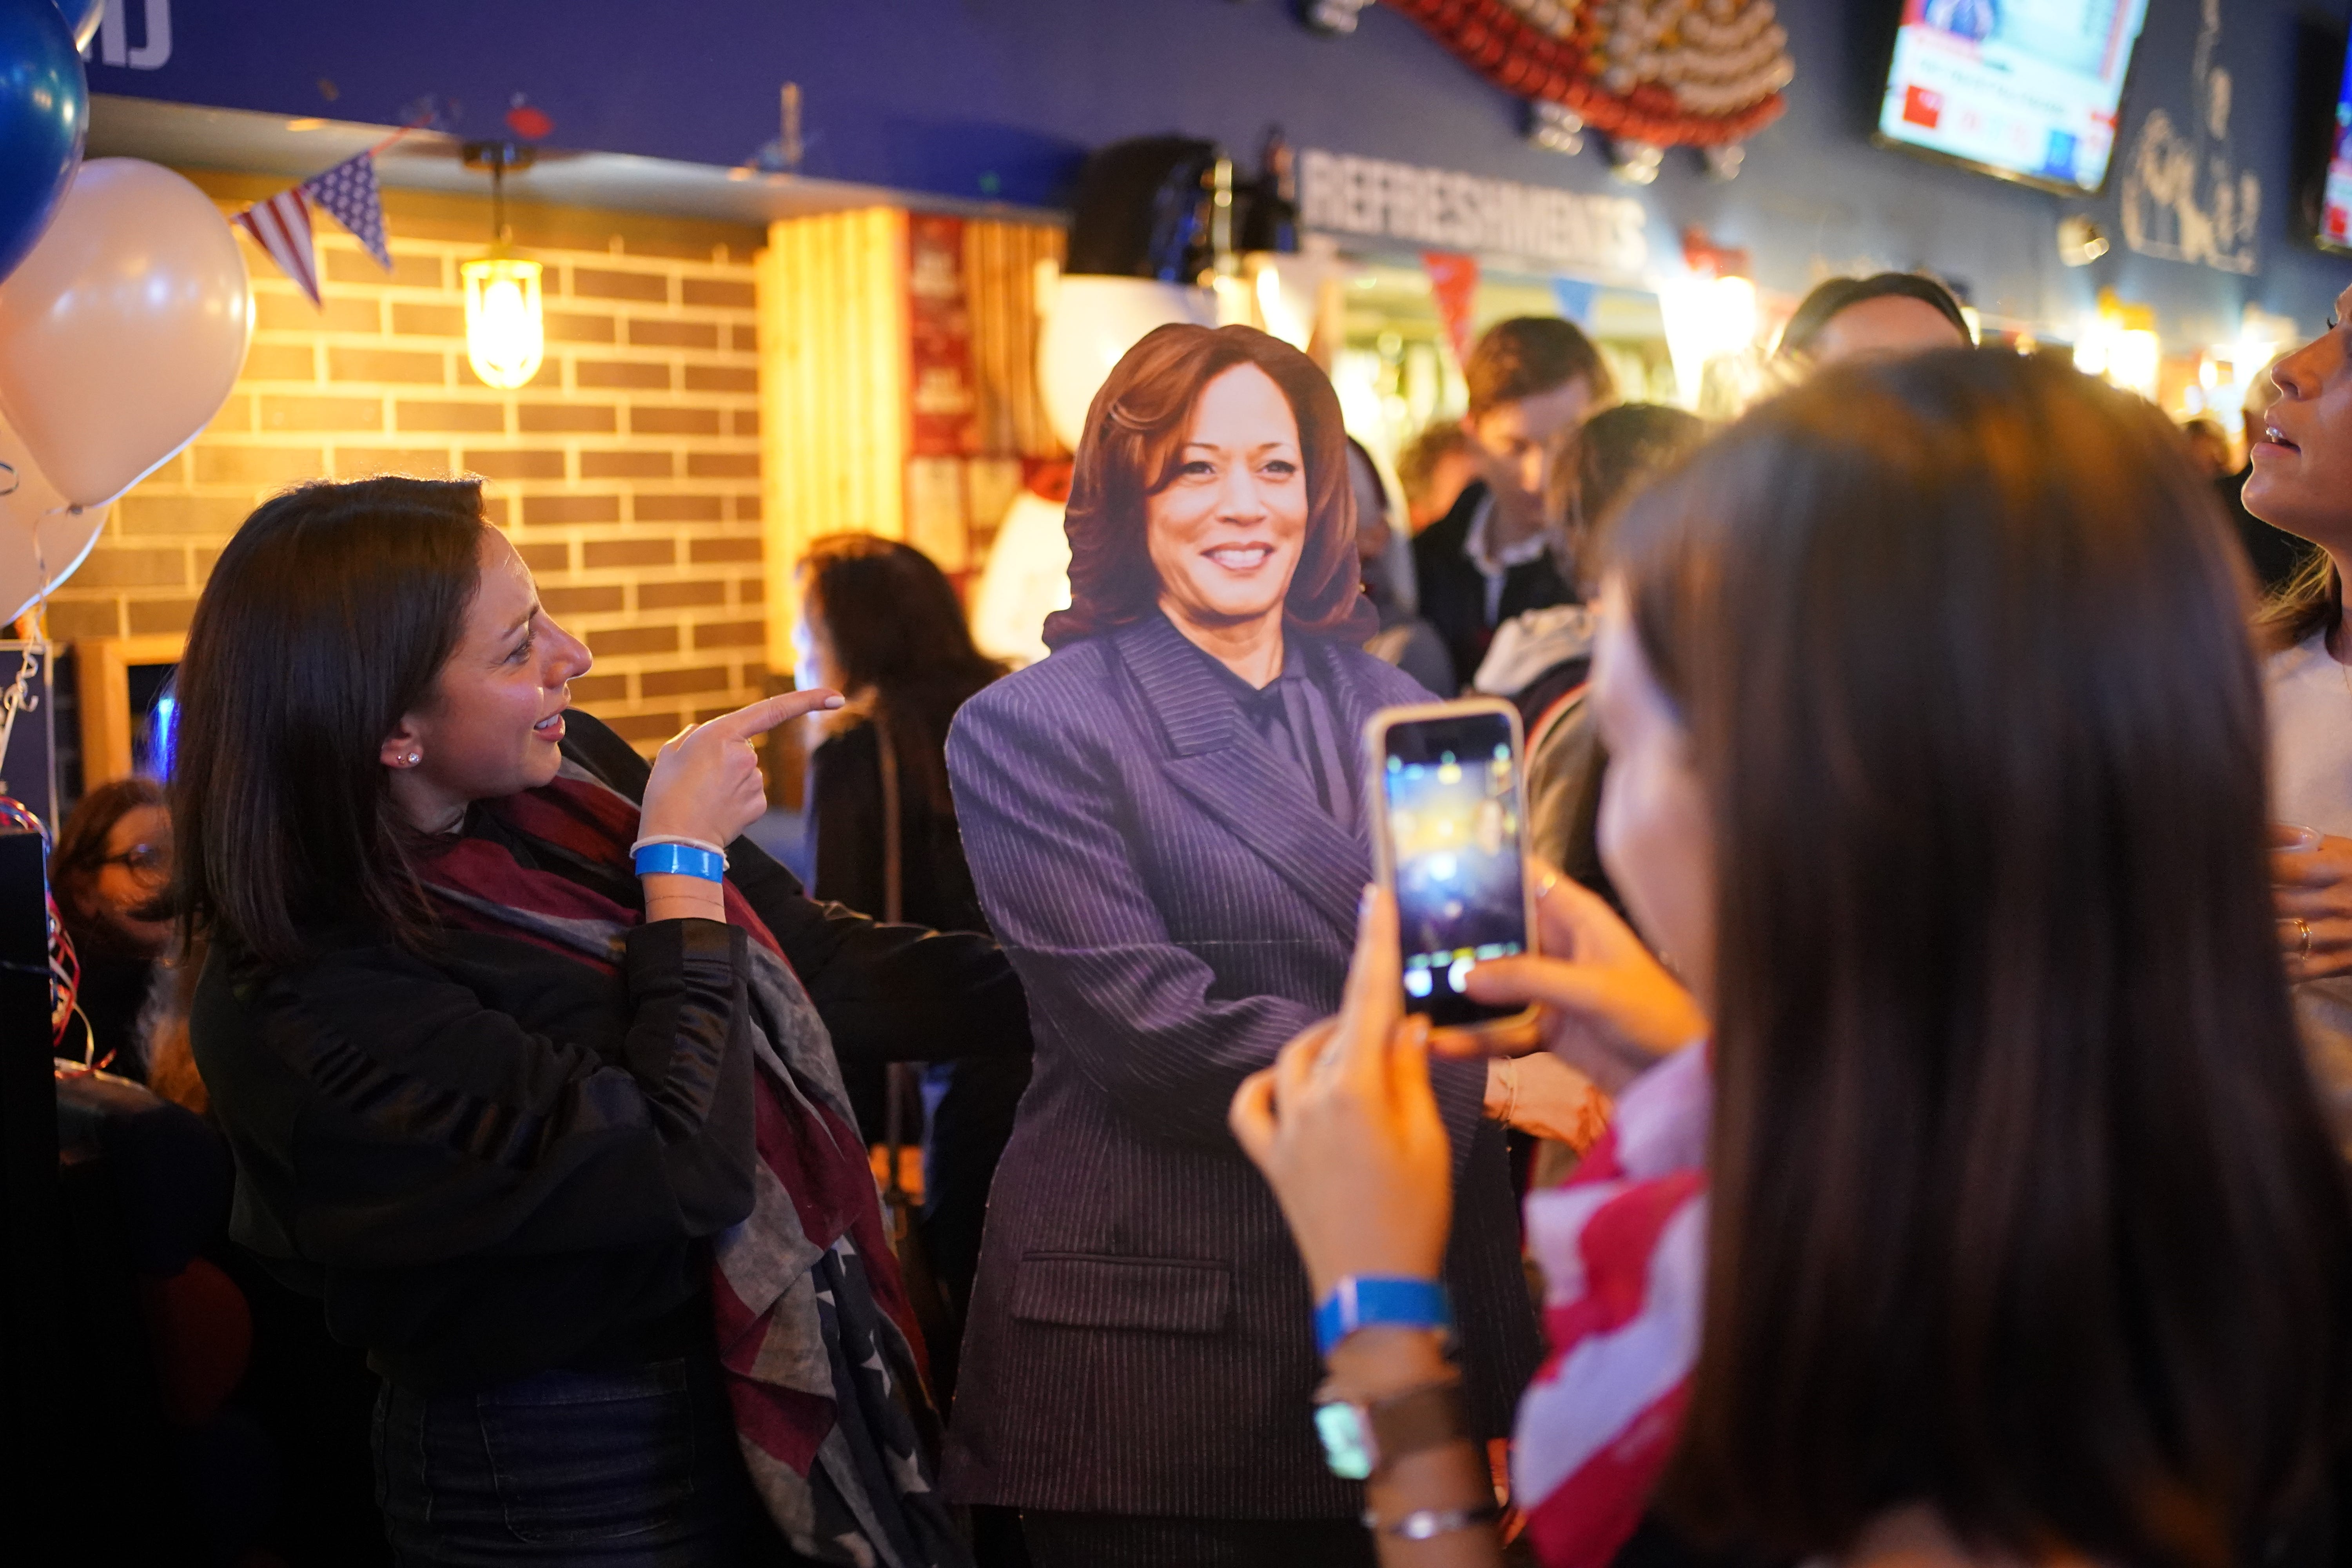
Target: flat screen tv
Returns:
[[2336, 200], [2026, 89]]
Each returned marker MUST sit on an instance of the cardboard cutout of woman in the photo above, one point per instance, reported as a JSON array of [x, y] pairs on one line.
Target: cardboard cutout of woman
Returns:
[[1164, 824]]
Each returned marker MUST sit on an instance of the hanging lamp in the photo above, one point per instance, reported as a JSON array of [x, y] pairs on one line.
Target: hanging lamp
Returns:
[[506, 335]]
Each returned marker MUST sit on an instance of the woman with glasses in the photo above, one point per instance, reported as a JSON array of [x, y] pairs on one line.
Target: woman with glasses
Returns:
[[111, 868]]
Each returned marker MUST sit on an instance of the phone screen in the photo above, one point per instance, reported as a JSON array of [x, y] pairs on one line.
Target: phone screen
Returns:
[[1452, 799]]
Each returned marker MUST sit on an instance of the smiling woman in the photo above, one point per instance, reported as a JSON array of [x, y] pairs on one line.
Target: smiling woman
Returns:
[[489, 1013], [1162, 820]]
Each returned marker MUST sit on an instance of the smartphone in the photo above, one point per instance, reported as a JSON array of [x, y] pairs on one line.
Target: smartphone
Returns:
[[1450, 836]]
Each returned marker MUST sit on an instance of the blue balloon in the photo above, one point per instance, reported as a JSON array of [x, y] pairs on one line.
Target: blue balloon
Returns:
[[43, 115], [82, 17]]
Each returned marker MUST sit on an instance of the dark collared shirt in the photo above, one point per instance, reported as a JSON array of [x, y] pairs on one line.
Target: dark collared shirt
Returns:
[[1298, 718]]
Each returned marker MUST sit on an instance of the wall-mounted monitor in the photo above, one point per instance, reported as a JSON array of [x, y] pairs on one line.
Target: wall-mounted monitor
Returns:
[[2026, 89], [2336, 200]]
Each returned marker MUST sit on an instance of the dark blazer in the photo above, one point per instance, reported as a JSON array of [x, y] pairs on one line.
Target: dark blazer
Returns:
[[1178, 907], [1453, 591]]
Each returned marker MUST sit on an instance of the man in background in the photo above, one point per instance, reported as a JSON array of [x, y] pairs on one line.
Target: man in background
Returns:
[[1532, 379]]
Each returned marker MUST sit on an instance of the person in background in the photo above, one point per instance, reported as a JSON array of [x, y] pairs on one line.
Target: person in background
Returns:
[[527, 1058], [1889, 314], [1434, 469], [1384, 551], [2276, 555], [1541, 655], [880, 624], [1531, 378], [1967, 1202], [112, 871], [2210, 445], [2301, 481]]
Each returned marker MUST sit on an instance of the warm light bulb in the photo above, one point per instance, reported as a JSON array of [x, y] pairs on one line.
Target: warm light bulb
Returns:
[[505, 339]]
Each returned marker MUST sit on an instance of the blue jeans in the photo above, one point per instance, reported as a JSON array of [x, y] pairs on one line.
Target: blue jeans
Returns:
[[633, 1469]]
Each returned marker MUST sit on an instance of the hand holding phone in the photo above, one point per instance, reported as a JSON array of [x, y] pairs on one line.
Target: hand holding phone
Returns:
[[1449, 835]]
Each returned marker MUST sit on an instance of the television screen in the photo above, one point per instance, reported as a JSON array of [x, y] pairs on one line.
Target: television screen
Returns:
[[2335, 205], [2026, 89]]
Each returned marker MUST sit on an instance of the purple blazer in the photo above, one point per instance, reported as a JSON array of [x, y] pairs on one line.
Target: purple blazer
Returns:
[[1178, 906]]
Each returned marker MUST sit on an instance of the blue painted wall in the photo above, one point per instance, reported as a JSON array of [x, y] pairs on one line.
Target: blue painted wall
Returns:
[[1000, 98]]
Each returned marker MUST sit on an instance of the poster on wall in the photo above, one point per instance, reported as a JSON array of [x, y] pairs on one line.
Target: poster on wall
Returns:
[[2024, 89]]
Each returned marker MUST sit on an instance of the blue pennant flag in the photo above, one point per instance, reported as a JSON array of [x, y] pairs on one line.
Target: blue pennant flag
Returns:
[[348, 190]]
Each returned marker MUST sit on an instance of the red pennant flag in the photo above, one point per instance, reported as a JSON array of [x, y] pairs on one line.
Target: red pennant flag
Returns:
[[1453, 280], [283, 227]]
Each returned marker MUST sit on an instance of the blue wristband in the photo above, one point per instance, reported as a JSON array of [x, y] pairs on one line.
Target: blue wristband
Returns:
[[1366, 1300], [680, 861]]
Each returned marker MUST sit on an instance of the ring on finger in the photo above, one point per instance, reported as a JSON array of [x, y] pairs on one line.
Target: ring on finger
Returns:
[[2302, 930]]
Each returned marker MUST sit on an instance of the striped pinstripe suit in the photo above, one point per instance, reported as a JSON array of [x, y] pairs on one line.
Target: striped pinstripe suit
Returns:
[[1178, 906]]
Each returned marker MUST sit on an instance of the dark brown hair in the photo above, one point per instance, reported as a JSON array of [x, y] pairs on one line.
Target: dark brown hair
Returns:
[[1133, 447], [80, 848], [1602, 464], [1526, 356], [1816, 310], [328, 616], [2023, 1208], [899, 639]]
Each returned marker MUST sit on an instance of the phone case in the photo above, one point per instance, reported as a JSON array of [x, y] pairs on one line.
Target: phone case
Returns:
[[1376, 730]]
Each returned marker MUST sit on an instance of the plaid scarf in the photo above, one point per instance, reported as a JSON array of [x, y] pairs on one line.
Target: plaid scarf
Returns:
[[1623, 1247], [814, 1331]]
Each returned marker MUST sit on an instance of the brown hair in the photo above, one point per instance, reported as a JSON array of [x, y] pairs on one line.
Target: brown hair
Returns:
[[1530, 355], [900, 642], [2024, 1208], [80, 848], [1818, 309], [1602, 464], [1416, 466], [328, 616], [1133, 446]]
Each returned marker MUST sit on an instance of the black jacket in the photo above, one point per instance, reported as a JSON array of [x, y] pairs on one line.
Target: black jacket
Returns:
[[1454, 591], [494, 1161]]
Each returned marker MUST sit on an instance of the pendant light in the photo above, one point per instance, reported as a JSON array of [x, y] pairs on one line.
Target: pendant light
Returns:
[[505, 335]]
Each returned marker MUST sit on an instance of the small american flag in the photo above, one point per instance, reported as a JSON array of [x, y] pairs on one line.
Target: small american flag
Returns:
[[348, 190], [283, 227]]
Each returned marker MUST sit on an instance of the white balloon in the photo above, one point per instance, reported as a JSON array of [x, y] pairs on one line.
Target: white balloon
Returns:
[[1090, 324], [42, 539], [123, 333]]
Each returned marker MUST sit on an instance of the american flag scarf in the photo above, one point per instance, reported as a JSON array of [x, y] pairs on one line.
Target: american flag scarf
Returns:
[[814, 1331], [1623, 1247]]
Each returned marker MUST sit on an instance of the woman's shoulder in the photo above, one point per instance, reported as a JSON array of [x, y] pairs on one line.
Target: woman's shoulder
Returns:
[[1063, 686], [1387, 685]]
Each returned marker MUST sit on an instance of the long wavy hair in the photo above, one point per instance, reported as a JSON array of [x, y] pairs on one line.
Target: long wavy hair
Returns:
[[2024, 1206], [1133, 446], [328, 616]]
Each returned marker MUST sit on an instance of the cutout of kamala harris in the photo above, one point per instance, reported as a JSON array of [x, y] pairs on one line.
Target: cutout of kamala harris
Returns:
[[1164, 821]]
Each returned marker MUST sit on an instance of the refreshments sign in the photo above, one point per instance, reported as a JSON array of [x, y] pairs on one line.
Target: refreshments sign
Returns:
[[1439, 209]]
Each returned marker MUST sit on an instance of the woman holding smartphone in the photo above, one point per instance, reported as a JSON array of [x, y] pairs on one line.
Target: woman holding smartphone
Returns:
[[1977, 1208], [1165, 822]]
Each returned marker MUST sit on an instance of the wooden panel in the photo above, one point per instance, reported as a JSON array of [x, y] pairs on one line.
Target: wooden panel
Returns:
[[833, 390], [102, 672], [999, 271]]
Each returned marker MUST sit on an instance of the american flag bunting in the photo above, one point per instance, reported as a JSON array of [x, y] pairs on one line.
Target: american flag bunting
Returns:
[[348, 192], [281, 225]]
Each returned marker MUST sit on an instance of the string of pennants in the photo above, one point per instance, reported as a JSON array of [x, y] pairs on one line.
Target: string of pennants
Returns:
[[281, 224]]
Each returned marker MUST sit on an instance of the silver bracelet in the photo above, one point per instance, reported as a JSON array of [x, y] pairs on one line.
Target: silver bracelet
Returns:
[[1427, 1523]]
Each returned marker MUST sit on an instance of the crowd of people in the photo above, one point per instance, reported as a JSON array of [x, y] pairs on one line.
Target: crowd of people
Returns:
[[1929, 1147]]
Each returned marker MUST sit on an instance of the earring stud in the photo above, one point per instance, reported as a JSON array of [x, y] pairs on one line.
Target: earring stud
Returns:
[[411, 759]]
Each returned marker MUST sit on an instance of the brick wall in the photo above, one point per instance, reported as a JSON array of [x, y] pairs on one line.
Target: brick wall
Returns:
[[627, 472]]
